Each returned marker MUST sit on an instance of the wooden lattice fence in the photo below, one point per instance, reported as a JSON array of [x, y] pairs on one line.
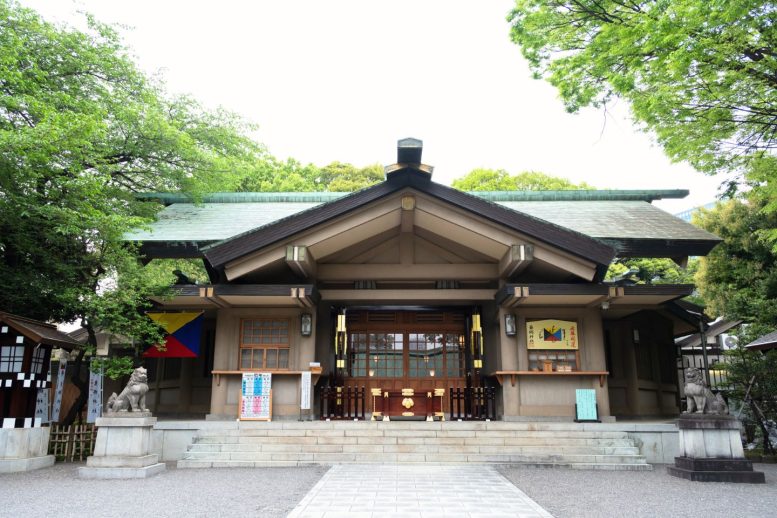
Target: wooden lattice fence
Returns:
[[72, 443]]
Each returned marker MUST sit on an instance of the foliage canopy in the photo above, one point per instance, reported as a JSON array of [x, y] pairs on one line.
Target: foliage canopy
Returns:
[[500, 180], [82, 130], [701, 75]]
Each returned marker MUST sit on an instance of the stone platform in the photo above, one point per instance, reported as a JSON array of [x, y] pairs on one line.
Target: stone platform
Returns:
[[24, 449], [710, 449], [123, 449]]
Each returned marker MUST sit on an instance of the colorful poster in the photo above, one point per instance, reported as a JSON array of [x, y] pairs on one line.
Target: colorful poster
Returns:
[[551, 334], [61, 373], [256, 396], [184, 332]]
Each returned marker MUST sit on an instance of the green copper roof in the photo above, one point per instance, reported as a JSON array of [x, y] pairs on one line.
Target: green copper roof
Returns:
[[611, 219], [225, 215]]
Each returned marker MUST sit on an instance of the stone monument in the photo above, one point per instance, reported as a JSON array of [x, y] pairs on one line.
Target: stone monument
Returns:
[[122, 448], [710, 446]]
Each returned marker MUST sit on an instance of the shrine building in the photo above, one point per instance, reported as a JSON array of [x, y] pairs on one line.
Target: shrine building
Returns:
[[413, 300]]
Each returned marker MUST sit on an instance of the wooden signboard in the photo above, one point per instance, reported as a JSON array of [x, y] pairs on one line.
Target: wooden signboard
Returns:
[[256, 397], [586, 409], [552, 334]]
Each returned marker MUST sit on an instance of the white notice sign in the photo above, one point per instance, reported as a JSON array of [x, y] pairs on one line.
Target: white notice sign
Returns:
[[95, 407], [304, 398], [60, 387]]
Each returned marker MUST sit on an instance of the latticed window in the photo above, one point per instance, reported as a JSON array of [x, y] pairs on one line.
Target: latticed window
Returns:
[[264, 343], [436, 354], [11, 358], [38, 359]]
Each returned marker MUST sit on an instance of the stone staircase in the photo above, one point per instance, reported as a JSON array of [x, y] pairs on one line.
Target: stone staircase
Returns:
[[540, 444]]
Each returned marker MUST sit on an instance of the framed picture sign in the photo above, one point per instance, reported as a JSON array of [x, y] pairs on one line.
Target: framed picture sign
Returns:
[[552, 334]]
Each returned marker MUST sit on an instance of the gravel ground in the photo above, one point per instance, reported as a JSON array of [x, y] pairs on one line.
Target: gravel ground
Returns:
[[234, 492], [274, 492], [568, 493]]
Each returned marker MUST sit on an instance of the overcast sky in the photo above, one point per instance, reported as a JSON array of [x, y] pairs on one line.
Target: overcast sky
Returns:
[[345, 79]]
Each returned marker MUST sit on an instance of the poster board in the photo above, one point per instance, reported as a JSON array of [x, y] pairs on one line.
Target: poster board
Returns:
[[586, 409], [255, 397], [552, 334]]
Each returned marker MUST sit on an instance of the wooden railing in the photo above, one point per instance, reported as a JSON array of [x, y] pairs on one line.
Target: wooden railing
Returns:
[[72, 443], [343, 403], [473, 404]]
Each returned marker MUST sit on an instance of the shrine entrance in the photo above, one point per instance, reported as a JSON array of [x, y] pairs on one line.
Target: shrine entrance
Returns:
[[407, 360]]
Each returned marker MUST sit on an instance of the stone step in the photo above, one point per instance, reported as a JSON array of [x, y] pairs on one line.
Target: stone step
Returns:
[[383, 457], [580, 446], [237, 435], [431, 441], [189, 464], [411, 448]]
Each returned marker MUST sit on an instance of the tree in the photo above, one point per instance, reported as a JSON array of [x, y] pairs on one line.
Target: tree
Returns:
[[272, 175], [501, 180], [653, 270], [701, 76], [81, 131], [738, 279]]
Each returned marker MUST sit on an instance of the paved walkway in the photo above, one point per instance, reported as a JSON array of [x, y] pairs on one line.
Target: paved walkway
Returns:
[[418, 491]]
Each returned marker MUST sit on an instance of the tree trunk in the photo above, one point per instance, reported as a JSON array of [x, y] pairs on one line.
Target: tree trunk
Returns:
[[81, 384]]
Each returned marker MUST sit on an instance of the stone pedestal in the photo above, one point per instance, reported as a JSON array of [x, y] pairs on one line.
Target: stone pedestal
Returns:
[[24, 449], [710, 450], [122, 448]]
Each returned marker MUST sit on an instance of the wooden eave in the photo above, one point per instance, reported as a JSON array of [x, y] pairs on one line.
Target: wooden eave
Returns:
[[236, 295], [615, 297], [39, 332]]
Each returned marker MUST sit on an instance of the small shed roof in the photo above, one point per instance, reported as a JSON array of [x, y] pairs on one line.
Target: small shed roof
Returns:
[[39, 332], [764, 343]]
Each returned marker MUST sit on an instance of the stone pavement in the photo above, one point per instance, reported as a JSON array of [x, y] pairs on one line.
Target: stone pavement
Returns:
[[415, 491]]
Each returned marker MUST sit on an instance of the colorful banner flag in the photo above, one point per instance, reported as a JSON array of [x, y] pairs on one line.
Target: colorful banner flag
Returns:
[[184, 331], [551, 334]]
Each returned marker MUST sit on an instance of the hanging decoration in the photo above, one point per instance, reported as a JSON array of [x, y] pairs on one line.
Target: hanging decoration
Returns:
[[477, 342], [184, 332], [341, 341]]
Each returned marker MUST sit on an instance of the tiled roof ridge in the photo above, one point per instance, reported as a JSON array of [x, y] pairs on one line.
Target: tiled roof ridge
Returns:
[[647, 195]]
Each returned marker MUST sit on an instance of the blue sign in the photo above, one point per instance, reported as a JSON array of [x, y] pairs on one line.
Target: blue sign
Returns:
[[585, 407]]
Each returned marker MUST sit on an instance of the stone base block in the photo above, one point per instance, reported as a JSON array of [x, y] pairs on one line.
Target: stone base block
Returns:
[[716, 470], [115, 473], [120, 461], [27, 464]]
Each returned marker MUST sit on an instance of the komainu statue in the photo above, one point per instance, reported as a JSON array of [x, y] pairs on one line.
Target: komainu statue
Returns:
[[133, 396], [699, 396]]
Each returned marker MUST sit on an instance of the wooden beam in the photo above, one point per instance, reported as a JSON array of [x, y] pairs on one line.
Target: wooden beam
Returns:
[[517, 258], [300, 260], [407, 272], [405, 295]]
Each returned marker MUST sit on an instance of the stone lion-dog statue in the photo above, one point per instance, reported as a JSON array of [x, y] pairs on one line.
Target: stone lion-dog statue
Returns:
[[133, 396], [700, 398]]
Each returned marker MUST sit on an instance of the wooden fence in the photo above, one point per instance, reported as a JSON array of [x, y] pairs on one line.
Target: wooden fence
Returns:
[[72, 443], [342, 403], [473, 404]]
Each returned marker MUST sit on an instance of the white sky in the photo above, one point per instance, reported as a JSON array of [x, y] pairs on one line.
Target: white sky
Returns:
[[345, 79]]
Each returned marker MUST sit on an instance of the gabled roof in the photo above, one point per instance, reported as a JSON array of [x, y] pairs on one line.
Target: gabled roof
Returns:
[[419, 179], [623, 219], [38, 332]]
